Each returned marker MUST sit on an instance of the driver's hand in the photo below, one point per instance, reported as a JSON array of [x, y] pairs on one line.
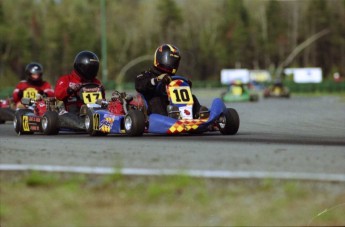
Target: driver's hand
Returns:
[[164, 79], [73, 88]]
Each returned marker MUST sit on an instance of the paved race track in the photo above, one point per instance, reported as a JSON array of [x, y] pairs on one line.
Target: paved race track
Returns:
[[297, 135]]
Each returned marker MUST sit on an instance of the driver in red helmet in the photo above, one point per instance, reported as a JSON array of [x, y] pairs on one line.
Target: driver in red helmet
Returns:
[[86, 65], [33, 85], [165, 64]]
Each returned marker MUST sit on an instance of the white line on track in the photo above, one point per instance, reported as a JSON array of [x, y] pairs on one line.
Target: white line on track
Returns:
[[193, 173]]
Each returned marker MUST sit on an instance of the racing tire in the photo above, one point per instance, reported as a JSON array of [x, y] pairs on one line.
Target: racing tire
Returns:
[[134, 123], [50, 123], [89, 122], [18, 122], [254, 98], [229, 122]]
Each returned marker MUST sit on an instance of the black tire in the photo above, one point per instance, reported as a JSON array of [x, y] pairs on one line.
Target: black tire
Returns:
[[134, 123], [50, 123], [89, 124], [229, 122], [254, 98], [6, 114], [18, 121]]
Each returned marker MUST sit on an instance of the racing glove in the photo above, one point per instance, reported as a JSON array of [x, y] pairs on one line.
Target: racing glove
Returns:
[[73, 88], [190, 83], [165, 79], [20, 94], [43, 94]]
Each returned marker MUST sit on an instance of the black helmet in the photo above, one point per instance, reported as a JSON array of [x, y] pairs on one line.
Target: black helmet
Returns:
[[31, 69], [167, 58], [86, 63]]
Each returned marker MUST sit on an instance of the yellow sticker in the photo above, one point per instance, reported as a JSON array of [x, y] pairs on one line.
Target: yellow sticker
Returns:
[[30, 93], [96, 122], [237, 90], [91, 97], [26, 124], [181, 95], [277, 90]]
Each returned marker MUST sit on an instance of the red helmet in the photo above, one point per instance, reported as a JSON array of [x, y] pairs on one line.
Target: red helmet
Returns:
[[167, 58]]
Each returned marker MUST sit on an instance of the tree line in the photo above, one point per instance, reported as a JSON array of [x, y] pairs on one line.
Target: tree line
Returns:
[[211, 35]]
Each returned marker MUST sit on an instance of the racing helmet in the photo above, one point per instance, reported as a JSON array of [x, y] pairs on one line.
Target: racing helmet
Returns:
[[86, 64], [34, 72], [167, 58]]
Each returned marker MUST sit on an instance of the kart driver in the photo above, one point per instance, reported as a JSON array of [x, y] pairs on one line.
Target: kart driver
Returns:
[[33, 85], [86, 65], [165, 64]]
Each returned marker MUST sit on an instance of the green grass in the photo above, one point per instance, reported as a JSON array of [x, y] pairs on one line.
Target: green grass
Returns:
[[45, 199]]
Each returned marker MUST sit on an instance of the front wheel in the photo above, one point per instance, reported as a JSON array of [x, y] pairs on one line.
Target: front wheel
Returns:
[[20, 122], [134, 123], [229, 122], [92, 124], [50, 123]]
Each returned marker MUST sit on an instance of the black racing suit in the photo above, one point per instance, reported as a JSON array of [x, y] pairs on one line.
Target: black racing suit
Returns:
[[157, 101]]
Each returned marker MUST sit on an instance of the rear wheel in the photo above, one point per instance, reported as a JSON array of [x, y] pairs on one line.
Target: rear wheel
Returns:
[[229, 122], [21, 126], [134, 123], [50, 123], [254, 98]]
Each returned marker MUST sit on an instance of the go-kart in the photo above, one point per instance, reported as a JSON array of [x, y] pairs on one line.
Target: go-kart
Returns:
[[8, 107], [6, 110], [44, 115], [29, 119], [129, 116], [239, 92], [122, 114], [277, 91]]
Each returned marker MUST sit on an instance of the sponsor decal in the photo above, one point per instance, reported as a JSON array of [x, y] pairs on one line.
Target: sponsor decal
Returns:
[[95, 122], [34, 128], [106, 124], [26, 124]]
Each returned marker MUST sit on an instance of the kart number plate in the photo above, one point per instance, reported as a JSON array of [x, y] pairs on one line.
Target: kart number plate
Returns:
[[237, 90], [30, 93], [181, 95], [277, 91], [91, 97]]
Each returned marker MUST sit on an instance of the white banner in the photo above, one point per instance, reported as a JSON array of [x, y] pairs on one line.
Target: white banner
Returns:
[[229, 75], [305, 75]]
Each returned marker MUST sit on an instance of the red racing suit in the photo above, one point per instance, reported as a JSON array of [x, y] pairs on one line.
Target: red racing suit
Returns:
[[29, 90], [64, 83]]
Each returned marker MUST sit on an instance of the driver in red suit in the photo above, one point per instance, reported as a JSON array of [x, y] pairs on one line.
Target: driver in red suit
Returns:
[[86, 65], [33, 85]]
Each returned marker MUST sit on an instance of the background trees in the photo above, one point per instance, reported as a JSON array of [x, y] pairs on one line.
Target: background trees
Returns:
[[210, 34]]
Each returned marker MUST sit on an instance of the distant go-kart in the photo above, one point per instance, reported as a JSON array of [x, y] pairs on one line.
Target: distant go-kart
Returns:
[[43, 115], [29, 119], [239, 92], [6, 110], [277, 91], [127, 115], [8, 107]]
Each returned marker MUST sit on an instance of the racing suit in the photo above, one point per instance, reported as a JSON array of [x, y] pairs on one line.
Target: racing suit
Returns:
[[72, 102], [157, 101], [29, 90]]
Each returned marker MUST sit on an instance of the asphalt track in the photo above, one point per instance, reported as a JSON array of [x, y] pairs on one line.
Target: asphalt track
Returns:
[[300, 137]]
